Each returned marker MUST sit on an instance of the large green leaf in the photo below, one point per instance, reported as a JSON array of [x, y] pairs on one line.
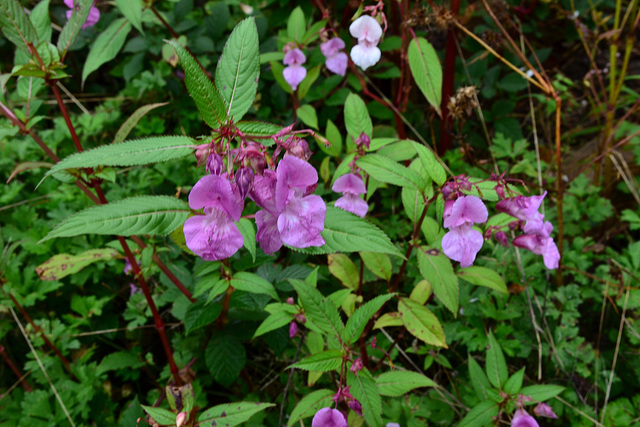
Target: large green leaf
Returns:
[[309, 405], [72, 28], [483, 276], [232, 414], [360, 318], [426, 70], [225, 357], [207, 97], [365, 390], [479, 379], [341, 266], [41, 21], [200, 314], [319, 309], [106, 46], [136, 215], [239, 68], [480, 415], [62, 265], [250, 282], [430, 163], [386, 170], [421, 322], [132, 10], [129, 153], [356, 117], [497, 370], [397, 383], [379, 264], [325, 361], [436, 268], [296, 25], [16, 26], [540, 393], [160, 415], [345, 232], [259, 130]]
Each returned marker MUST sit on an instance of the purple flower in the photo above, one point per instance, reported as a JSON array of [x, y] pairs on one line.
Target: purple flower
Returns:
[[544, 410], [295, 72], [525, 209], [92, 19], [368, 32], [462, 242], [522, 419], [289, 214], [336, 61], [293, 329], [392, 425], [215, 164], [327, 417], [351, 187], [214, 236], [540, 245], [356, 406]]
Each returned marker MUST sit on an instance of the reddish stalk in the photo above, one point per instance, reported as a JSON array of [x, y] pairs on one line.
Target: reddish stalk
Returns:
[[15, 369], [65, 114]]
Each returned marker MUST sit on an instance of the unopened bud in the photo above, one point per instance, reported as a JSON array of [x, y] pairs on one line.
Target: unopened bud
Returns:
[[293, 329], [544, 410], [356, 407], [215, 165], [357, 365], [300, 149], [463, 182], [181, 419], [448, 190], [501, 237], [363, 141], [300, 318], [244, 181], [290, 301], [500, 191], [201, 154]]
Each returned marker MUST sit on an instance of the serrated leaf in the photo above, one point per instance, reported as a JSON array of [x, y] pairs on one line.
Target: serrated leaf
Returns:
[[199, 314], [479, 379], [309, 405], [119, 360], [421, 322], [239, 68], [365, 390], [132, 10], [158, 215], [272, 322], [497, 370], [341, 266], [480, 415], [388, 319], [232, 414], [540, 393], [325, 361], [72, 28], [345, 232], [318, 308], [62, 265], [209, 99], [514, 383], [397, 383], [483, 276], [249, 235], [426, 70], [386, 170], [378, 263], [296, 25], [359, 319], [436, 268], [262, 131], [133, 120], [41, 21], [16, 26], [421, 292], [250, 282], [106, 46], [307, 114], [129, 153], [356, 117], [430, 163], [225, 357], [160, 415], [335, 138]]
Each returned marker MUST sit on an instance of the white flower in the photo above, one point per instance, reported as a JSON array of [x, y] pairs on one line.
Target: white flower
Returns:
[[368, 32]]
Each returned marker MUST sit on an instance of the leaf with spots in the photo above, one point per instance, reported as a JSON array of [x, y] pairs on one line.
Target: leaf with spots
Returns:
[[62, 265], [421, 322], [232, 414], [436, 268]]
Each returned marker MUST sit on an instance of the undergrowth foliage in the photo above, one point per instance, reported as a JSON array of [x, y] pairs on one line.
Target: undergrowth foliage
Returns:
[[268, 225]]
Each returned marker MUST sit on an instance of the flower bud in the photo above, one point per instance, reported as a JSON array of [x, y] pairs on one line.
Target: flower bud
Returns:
[[290, 301], [300, 318], [356, 407], [500, 191], [215, 164], [544, 410], [300, 149], [181, 419], [501, 237], [293, 329], [357, 365], [244, 181], [363, 141]]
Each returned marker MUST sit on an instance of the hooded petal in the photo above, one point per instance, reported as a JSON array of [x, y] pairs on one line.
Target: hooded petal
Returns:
[[302, 221], [366, 28], [462, 244], [466, 209], [331, 47], [522, 419], [539, 245], [338, 63], [294, 75], [327, 417], [212, 236], [69, 13], [539, 227], [294, 57], [550, 254], [349, 183], [521, 207], [93, 18], [365, 55], [264, 191], [268, 235], [215, 191], [293, 174], [352, 203]]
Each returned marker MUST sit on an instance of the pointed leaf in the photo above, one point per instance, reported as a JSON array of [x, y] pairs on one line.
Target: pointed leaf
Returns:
[[479, 379], [106, 46], [41, 21], [359, 319], [540, 393], [72, 28], [319, 309], [200, 314], [62, 265], [232, 414], [379, 264], [296, 25], [225, 357], [436, 268], [250, 282], [160, 415], [274, 321], [325, 361], [16, 26], [133, 120], [421, 322], [356, 117], [309, 405], [341, 266], [514, 383], [365, 390], [386, 170], [426, 70], [249, 234], [397, 383], [497, 370], [480, 415], [483, 276], [132, 10], [259, 130], [430, 163]]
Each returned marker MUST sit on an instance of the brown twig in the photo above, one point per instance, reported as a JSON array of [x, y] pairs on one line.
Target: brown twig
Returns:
[[14, 368]]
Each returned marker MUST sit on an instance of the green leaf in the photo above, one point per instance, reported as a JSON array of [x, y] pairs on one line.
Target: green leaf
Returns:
[[129, 153], [397, 383], [319, 309], [514, 383], [239, 68], [480, 415], [272, 322], [359, 319], [314, 32], [72, 28], [41, 21], [430, 163], [341, 266], [483, 276], [133, 120], [232, 414], [386, 170], [356, 117], [16, 26], [225, 357], [307, 114], [426, 70], [296, 25], [199, 314], [388, 319], [309, 405], [379, 264], [436, 268], [325, 361], [250, 282], [62, 265], [421, 322], [158, 215], [345, 232], [208, 98], [259, 130], [497, 371], [540, 393], [249, 235], [365, 390], [119, 360], [132, 10], [160, 415], [106, 46], [479, 379], [308, 81], [335, 138], [421, 292]]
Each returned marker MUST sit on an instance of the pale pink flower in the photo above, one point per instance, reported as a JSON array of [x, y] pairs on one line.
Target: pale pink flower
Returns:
[[336, 60], [368, 32], [351, 186], [462, 243], [294, 73]]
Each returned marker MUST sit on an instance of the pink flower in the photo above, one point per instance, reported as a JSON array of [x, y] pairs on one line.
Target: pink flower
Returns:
[[327, 417], [368, 32], [92, 19], [336, 60], [540, 245], [522, 419], [462, 243], [525, 209], [214, 236], [351, 186], [295, 72], [544, 410]]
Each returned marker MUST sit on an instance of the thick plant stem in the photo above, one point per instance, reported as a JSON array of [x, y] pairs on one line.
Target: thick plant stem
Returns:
[[15, 369]]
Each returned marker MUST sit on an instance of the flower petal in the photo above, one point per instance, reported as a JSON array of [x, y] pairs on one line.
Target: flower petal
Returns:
[[302, 221], [268, 235], [293, 174], [462, 244], [352, 203], [365, 55], [366, 28], [466, 209], [337, 63], [327, 417], [349, 183], [93, 18], [294, 57], [264, 191], [212, 236], [215, 191], [294, 75]]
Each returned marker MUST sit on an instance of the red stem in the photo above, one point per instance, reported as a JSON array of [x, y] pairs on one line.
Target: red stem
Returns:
[[15, 369], [65, 114]]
